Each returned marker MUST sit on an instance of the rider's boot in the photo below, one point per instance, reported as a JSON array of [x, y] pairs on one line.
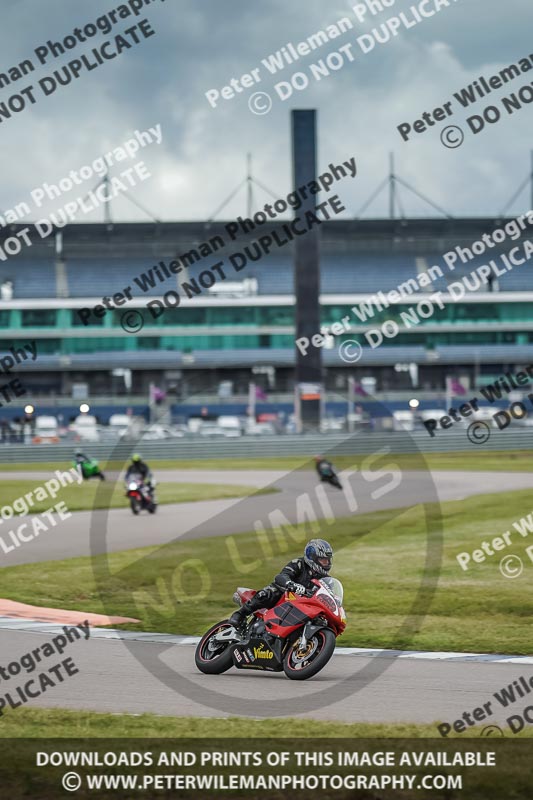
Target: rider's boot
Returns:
[[238, 617]]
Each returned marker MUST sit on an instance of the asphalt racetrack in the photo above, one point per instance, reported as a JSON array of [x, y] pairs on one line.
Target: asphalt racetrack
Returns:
[[143, 676], [133, 681], [93, 532]]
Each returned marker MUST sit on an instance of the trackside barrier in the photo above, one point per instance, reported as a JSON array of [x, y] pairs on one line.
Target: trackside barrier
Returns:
[[521, 438]]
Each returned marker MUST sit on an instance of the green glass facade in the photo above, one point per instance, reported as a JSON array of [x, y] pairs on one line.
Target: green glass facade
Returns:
[[231, 328]]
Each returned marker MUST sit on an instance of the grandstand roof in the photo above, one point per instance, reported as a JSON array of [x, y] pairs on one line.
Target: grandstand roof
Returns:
[[375, 233]]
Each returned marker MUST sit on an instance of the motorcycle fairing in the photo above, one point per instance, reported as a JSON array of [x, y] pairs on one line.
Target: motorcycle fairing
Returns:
[[257, 654], [286, 617]]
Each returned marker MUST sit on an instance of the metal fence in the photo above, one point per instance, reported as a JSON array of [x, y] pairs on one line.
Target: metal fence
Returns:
[[519, 438]]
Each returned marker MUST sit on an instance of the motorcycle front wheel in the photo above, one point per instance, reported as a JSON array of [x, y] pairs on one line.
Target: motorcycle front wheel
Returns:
[[318, 651], [135, 506], [211, 657]]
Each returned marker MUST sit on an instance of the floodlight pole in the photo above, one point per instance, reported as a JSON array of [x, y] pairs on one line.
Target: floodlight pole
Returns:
[[107, 203], [531, 205], [249, 181], [392, 197], [307, 275]]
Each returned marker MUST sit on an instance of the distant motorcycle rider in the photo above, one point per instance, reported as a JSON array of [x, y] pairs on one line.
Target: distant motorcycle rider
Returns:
[[80, 457], [326, 472], [139, 467], [296, 576], [324, 467]]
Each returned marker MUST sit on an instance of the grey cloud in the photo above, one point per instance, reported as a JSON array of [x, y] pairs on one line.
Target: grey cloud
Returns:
[[202, 45]]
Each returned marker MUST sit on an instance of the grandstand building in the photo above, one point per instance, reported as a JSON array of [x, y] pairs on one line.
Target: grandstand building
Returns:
[[245, 320]]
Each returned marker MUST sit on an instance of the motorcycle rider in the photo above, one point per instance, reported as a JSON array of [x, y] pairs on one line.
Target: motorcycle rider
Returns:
[[139, 467], [324, 468], [296, 576], [80, 458]]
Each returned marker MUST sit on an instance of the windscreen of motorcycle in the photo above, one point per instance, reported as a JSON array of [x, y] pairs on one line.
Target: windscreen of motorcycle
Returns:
[[335, 587]]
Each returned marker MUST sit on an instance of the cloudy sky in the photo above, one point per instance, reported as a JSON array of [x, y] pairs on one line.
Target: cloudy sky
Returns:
[[201, 44]]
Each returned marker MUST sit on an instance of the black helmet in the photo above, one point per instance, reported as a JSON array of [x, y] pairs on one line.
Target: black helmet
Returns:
[[318, 556]]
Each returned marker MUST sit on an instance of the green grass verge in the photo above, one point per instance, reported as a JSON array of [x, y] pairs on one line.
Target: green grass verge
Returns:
[[474, 459], [95, 494], [51, 723], [186, 586]]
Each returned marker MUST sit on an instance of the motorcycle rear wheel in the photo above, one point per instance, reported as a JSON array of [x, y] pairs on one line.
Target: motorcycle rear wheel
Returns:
[[319, 650], [213, 661]]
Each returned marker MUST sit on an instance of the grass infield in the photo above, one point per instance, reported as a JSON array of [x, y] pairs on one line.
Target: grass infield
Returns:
[[473, 459], [186, 586], [37, 723], [94, 494]]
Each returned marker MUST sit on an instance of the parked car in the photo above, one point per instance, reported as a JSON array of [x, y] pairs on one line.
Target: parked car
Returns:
[[46, 430], [331, 424], [119, 424], [260, 428], [160, 432], [85, 428], [211, 430], [359, 421], [230, 425], [403, 421]]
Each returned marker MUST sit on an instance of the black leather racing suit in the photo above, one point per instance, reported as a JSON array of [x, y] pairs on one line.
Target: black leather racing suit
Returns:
[[139, 468], [296, 571], [142, 469], [324, 468]]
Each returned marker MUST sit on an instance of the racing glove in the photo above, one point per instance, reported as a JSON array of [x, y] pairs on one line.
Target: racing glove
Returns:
[[297, 588]]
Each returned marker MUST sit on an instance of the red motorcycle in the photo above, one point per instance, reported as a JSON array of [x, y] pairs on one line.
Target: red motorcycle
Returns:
[[296, 636], [140, 495]]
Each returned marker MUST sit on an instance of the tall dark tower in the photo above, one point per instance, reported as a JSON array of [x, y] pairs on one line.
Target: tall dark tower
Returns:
[[307, 274]]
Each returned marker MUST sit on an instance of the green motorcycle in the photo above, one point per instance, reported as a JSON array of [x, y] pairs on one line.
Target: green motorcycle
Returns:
[[89, 468]]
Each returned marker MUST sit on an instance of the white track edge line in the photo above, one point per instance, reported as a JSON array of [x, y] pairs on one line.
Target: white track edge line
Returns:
[[49, 628]]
